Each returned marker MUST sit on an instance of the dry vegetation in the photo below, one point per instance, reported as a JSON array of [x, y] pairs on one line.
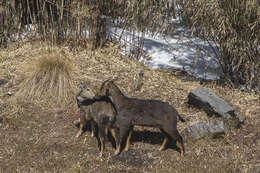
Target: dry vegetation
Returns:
[[234, 27], [47, 80], [34, 139], [80, 21], [38, 84]]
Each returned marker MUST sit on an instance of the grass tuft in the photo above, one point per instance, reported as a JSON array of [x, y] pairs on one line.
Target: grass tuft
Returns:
[[48, 81]]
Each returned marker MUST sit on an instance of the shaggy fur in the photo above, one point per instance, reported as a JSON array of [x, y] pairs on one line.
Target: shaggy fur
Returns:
[[100, 113]]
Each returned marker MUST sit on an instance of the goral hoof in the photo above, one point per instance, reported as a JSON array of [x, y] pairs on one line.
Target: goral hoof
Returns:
[[78, 134]]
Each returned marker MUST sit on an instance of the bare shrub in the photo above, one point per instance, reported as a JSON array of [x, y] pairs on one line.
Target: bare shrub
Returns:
[[48, 81], [77, 21], [9, 20], [234, 26]]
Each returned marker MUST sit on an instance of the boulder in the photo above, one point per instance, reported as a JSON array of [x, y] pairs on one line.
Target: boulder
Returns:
[[211, 128], [210, 102]]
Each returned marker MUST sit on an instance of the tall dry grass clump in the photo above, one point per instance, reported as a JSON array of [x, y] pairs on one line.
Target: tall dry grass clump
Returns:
[[234, 26], [48, 81]]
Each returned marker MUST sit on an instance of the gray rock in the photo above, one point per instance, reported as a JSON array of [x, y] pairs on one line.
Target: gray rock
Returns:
[[211, 128], [210, 102]]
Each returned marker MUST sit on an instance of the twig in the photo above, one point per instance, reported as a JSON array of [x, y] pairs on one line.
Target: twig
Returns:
[[139, 83]]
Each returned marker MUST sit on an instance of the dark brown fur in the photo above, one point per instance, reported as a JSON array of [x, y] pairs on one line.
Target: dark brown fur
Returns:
[[133, 111], [100, 113]]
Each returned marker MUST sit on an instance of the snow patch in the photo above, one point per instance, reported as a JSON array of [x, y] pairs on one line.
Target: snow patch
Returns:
[[178, 50]]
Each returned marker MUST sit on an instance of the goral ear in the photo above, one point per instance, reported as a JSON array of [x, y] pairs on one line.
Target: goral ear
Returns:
[[105, 83]]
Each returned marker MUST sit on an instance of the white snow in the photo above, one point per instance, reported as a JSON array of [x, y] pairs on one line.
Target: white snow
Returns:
[[29, 31], [178, 50]]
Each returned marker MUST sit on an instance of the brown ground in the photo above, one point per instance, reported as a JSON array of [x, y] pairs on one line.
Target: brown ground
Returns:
[[32, 140]]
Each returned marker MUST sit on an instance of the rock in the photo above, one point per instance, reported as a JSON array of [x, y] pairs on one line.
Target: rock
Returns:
[[211, 128], [210, 103]]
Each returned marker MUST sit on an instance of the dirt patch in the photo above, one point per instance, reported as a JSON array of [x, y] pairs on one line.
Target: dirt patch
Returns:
[[135, 158]]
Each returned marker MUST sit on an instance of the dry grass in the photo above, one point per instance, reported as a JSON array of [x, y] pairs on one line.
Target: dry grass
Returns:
[[47, 80], [233, 26], [37, 143]]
